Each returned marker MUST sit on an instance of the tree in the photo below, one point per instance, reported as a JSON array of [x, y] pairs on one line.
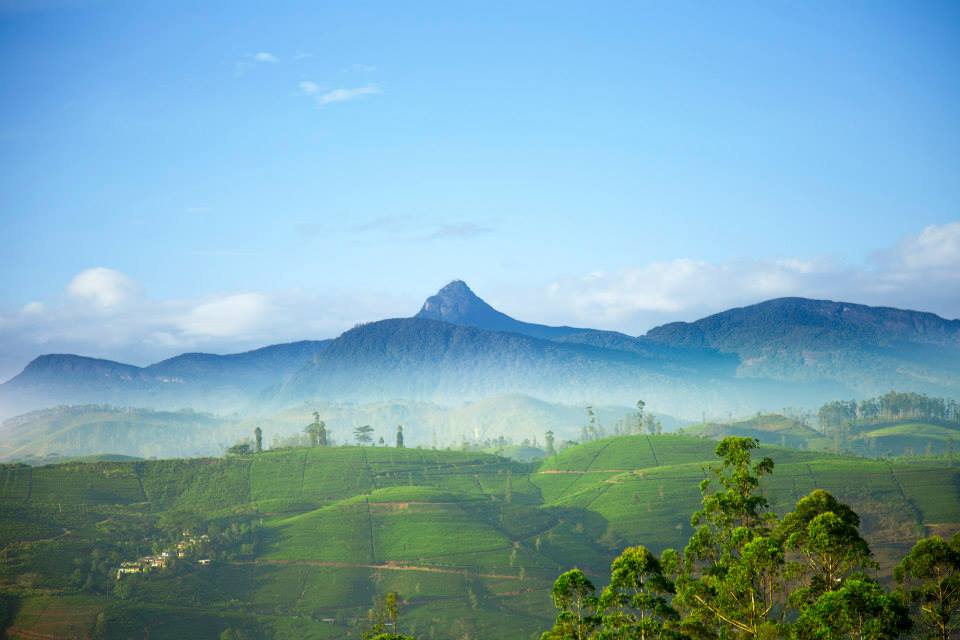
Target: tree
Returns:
[[591, 424], [393, 611], [826, 534], [634, 605], [258, 439], [650, 423], [573, 596], [930, 578], [549, 443], [363, 434], [859, 610], [240, 449], [313, 429], [384, 619], [640, 407], [399, 436], [322, 433], [731, 573]]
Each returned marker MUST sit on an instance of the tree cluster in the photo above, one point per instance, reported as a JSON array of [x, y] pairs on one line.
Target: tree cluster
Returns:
[[747, 574], [890, 407]]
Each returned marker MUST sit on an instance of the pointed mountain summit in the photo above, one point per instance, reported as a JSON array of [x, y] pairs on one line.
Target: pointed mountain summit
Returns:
[[457, 304]]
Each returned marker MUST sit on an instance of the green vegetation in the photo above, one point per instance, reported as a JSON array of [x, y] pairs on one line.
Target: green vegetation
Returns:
[[892, 425], [746, 573], [774, 429], [304, 540], [909, 424]]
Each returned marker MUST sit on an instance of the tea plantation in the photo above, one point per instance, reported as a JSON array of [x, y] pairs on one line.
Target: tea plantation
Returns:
[[300, 541]]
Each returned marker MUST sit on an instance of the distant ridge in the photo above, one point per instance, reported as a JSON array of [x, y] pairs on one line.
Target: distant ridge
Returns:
[[781, 352], [873, 349], [202, 380], [811, 322]]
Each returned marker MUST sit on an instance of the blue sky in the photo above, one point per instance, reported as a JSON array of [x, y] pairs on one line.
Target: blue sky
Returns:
[[175, 178]]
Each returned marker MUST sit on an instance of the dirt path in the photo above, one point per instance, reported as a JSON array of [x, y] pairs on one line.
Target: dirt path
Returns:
[[14, 632], [388, 566]]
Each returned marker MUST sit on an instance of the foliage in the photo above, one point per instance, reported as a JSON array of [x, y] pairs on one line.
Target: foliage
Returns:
[[735, 574], [930, 576], [859, 610], [635, 603], [363, 434], [826, 534], [383, 619], [240, 449], [575, 597], [891, 406], [732, 570]]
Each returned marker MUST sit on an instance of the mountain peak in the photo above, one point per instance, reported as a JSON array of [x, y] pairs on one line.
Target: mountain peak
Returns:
[[456, 291], [457, 304], [456, 287]]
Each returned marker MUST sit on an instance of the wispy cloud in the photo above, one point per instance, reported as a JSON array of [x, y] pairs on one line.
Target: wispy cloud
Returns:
[[394, 224], [362, 68], [251, 60], [226, 316], [266, 56], [345, 95], [309, 87], [922, 271]]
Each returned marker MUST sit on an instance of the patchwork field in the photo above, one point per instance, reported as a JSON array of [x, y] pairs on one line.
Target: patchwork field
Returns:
[[303, 540]]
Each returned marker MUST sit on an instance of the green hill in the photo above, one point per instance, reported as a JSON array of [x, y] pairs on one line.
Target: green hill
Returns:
[[302, 540], [85, 430], [768, 428], [907, 437]]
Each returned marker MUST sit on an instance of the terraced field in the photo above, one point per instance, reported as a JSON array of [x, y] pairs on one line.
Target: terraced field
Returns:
[[471, 541]]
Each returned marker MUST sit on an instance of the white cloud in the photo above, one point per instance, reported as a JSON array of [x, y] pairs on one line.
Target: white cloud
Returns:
[[920, 272], [102, 288], [264, 56], [343, 95], [309, 87], [677, 285], [143, 329], [936, 247], [228, 316]]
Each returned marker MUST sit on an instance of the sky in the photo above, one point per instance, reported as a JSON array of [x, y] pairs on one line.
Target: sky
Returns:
[[177, 178]]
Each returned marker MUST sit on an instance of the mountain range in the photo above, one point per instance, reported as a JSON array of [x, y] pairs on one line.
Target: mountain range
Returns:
[[782, 352]]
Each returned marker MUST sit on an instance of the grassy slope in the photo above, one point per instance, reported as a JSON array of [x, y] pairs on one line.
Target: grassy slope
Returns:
[[771, 429], [344, 524], [908, 436]]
